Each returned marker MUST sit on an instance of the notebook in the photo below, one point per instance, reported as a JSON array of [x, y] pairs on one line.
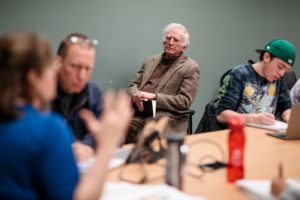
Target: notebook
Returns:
[[149, 109], [261, 189], [279, 126], [293, 130]]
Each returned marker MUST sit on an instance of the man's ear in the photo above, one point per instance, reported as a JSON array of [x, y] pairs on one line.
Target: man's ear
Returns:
[[266, 57], [32, 77], [57, 62]]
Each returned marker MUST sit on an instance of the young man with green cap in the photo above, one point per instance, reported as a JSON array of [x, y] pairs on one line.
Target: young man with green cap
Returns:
[[257, 91]]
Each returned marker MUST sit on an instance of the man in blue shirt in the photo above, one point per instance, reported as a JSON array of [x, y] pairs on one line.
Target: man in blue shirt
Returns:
[[75, 61], [257, 91]]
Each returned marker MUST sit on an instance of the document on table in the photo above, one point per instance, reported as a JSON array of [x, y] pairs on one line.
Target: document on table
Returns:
[[128, 191], [261, 189], [279, 126], [118, 159]]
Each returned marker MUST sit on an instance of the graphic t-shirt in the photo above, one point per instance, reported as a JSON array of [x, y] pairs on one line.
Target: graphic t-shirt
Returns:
[[245, 91]]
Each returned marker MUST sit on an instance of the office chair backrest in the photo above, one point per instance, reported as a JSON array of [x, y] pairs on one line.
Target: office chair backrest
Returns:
[[208, 121], [290, 78], [189, 114]]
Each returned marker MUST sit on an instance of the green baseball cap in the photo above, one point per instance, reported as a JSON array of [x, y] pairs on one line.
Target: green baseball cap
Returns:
[[281, 49]]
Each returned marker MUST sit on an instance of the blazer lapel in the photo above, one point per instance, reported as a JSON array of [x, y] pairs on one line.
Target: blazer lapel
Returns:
[[151, 68], [173, 68]]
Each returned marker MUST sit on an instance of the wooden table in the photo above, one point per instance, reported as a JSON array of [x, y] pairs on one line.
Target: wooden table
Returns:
[[262, 156]]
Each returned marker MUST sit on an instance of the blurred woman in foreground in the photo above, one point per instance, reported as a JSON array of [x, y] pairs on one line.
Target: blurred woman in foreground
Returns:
[[36, 159]]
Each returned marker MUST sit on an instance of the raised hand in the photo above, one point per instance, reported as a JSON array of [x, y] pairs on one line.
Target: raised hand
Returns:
[[110, 129]]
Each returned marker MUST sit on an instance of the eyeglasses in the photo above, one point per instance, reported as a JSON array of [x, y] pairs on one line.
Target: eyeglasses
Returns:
[[83, 41]]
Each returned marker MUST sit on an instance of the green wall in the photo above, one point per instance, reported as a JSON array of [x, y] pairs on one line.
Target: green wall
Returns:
[[223, 33]]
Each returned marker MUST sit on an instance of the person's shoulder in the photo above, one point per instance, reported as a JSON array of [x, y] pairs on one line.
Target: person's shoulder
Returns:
[[239, 72], [94, 95], [188, 64], [39, 115], [43, 122], [295, 92], [297, 84], [244, 68], [191, 62], [188, 59], [93, 89], [93, 86], [153, 57], [49, 118]]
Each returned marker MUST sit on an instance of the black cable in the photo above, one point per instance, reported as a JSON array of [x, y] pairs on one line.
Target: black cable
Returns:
[[153, 156], [145, 154], [202, 167]]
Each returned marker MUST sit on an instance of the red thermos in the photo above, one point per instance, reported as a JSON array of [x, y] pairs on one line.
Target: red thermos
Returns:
[[236, 144]]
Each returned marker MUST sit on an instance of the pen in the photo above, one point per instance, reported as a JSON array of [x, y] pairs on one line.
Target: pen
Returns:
[[280, 170]]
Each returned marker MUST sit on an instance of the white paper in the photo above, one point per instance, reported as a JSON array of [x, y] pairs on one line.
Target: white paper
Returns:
[[279, 126], [261, 189], [128, 191], [154, 107], [119, 158]]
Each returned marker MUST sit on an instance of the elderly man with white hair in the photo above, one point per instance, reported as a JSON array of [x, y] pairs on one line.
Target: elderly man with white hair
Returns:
[[171, 78]]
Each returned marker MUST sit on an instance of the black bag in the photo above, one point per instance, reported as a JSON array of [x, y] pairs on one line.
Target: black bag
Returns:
[[209, 120]]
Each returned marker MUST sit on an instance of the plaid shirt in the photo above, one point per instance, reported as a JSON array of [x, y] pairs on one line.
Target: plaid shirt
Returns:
[[295, 92]]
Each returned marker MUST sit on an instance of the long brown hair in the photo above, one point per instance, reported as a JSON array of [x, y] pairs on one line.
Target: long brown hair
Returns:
[[19, 53]]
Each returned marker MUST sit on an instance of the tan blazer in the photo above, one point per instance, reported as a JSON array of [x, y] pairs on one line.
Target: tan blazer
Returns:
[[176, 91]]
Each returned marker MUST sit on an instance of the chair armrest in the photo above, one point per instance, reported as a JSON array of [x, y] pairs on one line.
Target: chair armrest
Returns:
[[189, 114], [184, 112]]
